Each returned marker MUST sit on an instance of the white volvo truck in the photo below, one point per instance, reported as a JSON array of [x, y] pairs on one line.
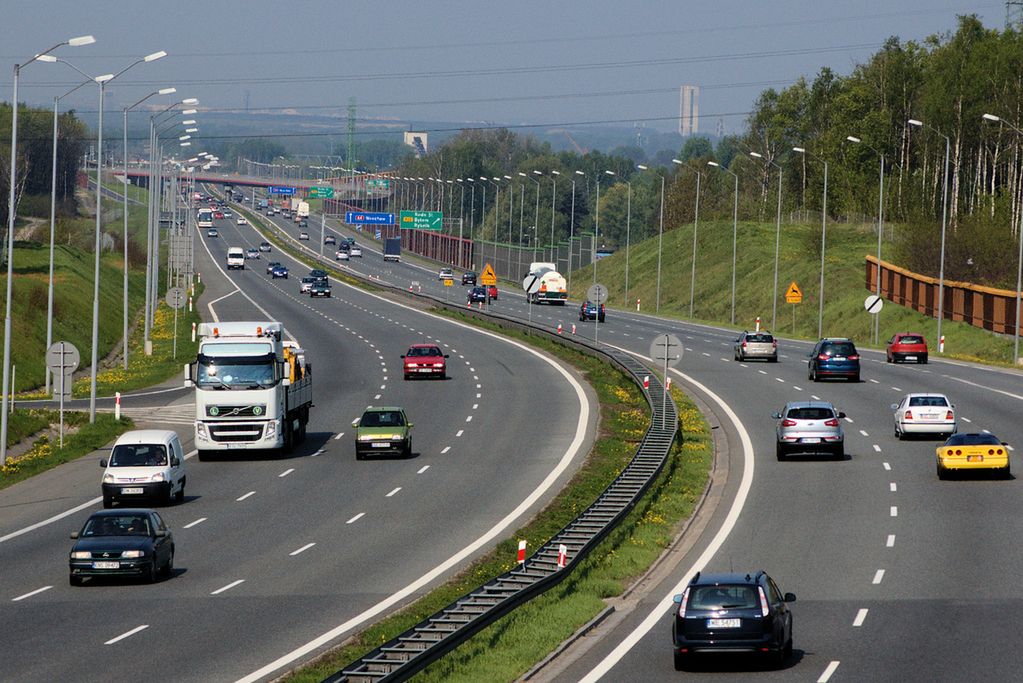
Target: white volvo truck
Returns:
[[253, 389]]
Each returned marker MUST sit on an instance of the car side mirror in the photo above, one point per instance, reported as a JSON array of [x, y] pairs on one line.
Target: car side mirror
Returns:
[[355, 422], [160, 533], [789, 597], [776, 416], [447, 356], [103, 462], [840, 415], [895, 406], [402, 355], [677, 599], [411, 425], [74, 534], [188, 375], [1004, 443]]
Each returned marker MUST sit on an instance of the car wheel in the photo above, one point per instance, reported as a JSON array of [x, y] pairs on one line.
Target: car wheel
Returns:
[[839, 452], [168, 568], [779, 452], [1005, 473], [923, 359], [74, 580], [179, 497], [856, 377], [941, 471], [408, 448], [360, 455], [787, 650], [811, 375], [680, 662], [108, 502], [898, 433], [151, 575]]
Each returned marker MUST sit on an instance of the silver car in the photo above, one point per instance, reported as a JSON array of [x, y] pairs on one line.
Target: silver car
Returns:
[[924, 414], [810, 426], [305, 284], [756, 345]]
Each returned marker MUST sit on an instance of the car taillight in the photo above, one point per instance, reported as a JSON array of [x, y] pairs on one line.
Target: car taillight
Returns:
[[833, 422], [909, 415], [744, 345], [990, 451], [764, 608], [774, 344], [854, 357], [822, 356], [949, 416], [998, 451], [788, 423], [682, 605]]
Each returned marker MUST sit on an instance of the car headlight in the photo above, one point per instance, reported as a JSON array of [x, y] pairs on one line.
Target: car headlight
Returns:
[[271, 428], [200, 429], [157, 477], [109, 479], [368, 437], [81, 555], [132, 553]]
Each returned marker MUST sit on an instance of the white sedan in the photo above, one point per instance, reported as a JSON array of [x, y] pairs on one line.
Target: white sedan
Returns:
[[241, 221], [341, 255], [924, 414], [355, 250]]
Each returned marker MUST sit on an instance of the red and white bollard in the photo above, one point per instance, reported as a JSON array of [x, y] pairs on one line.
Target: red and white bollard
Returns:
[[758, 323], [522, 552], [941, 344], [193, 331], [189, 304], [646, 382], [573, 328], [198, 277], [559, 328], [637, 305], [117, 406], [481, 305], [562, 556], [667, 384]]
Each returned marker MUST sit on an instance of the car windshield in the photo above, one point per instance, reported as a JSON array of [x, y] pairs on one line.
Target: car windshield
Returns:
[[117, 525], [424, 351], [138, 455], [382, 418], [973, 440], [838, 349], [308, 280], [759, 338], [931, 401], [723, 597], [813, 413], [911, 339], [236, 372]]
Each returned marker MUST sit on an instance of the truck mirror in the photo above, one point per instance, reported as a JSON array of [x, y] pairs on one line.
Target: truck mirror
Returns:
[[188, 375]]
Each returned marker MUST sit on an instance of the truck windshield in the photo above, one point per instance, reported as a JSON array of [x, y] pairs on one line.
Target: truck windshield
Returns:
[[236, 372]]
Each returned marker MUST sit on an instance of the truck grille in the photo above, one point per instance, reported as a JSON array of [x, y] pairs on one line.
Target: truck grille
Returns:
[[235, 432], [223, 412]]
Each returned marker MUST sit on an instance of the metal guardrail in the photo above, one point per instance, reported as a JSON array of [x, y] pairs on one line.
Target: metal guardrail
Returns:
[[430, 639]]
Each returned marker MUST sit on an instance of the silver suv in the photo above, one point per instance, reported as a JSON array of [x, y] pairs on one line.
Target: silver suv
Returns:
[[810, 427], [756, 345]]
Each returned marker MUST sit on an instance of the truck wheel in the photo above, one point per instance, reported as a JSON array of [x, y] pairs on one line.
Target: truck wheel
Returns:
[[202, 455]]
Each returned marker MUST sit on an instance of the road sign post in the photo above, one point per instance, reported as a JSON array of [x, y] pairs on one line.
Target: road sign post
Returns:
[[488, 277], [793, 295], [63, 358], [175, 299], [668, 349], [597, 293]]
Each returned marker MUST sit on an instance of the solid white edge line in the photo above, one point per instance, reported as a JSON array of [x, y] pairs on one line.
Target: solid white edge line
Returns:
[[37, 591], [828, 672], [127, 634], [304, 548], [216, 318], [192, 524], [861, 616], [656, 614], [228, 587], [51, 520]]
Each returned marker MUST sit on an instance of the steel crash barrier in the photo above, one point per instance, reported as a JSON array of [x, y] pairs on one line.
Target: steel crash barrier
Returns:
[[433, 637]]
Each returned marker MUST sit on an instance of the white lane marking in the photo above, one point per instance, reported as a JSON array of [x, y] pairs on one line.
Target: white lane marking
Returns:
[[848, 419], [213, 313], [393, 491], [377, 397], [228, 587], [966, 419], [743, 365], [339, 435], [724, 359], [445, 450], [797, 388], [475, 406], [286, 472], [476, 377], [469, 418], [356, 518], [873, 381], [241, 498], [893, 487], [877, 448], [1009, 447], [62, 515], [459, 432], [896, 389], [887, 466], [890, 541], [656, 613], [127, 634], [861, 616], [383, 386], [479, 395], [828, 672], [423, 469], [195, 523], [895, 511], [986, 431], [304, 548], [708, 355], [815, 397], [313, 455], [478, 386], [878, 576], [37, 591], [778, 379], [864, 432], [762, 372]]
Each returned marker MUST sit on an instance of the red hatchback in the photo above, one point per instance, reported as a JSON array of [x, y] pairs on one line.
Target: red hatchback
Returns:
[[907, 347], [425, 360]]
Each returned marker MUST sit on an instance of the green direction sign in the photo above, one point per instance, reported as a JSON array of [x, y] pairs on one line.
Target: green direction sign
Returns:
[[422, 220], [321, 192], [378, 183]]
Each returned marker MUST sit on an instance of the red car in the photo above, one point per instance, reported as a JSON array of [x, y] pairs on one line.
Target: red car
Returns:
[[218, 215], [492, 292], [907, 347], [425, 360]]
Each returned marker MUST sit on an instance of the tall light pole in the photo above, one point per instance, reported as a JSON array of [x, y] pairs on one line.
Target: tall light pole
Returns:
[[1019, 259], [472, 208], [660, 245], [824, 234], [12, 180], [735, 226], [571, 231], [696, 221], [554, 195], [944, 224], [596, 228], [880, 229], [777, 243], [536, 215], [461, 207], [483, 212]]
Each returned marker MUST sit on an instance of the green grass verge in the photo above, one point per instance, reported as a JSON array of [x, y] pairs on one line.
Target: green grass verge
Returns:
[[24, 423], [624, 554], [45, 455], [799, 261]]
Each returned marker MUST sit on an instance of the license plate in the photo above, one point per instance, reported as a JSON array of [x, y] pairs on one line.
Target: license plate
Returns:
[[106, 565], [381, 445], [425, 369], [910, 357], [724, 623], [931, 416], [809, 441], [975, 458], [132, 491], [838, 358]]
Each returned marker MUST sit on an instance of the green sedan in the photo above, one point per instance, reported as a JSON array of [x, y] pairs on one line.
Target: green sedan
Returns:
[[383, 430]]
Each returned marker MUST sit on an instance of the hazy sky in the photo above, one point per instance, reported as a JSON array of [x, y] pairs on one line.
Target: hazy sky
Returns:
[[563, 61]]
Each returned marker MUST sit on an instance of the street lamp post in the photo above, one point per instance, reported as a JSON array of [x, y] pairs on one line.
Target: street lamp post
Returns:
[[880, 230], [824, 234], [696, 222], [554, 194], [596, 230], [536, 215], [660, 246], [735, 226], [571, 231], [944, 224], [777, 243]]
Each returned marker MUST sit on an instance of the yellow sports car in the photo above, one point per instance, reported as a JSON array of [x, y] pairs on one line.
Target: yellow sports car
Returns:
[[963, 452]]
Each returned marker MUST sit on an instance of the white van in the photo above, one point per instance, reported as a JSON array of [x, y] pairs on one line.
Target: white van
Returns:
[[235, 258], [146, 463]]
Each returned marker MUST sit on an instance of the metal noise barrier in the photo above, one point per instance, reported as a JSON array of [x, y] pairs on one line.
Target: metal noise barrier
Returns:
[[438, 634]]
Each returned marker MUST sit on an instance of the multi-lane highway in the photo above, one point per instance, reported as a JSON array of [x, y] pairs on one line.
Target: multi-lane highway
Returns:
[[898, 574], [279, 554]]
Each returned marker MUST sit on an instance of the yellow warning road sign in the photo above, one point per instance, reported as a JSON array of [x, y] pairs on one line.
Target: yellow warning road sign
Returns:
[[488, 276], [793, 294]]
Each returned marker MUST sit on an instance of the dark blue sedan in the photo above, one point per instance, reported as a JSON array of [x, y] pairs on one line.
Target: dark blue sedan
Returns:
[[279, 271], [122, 542]]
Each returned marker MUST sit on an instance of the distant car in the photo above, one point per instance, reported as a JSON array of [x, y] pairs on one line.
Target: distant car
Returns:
[[962, 452], [241, 221], [285, 214], [809, 426], [318, 274], [228, 214], [591, 311], [468, 278], [476, 295], [445, 274], [303, 223], [320, 288], [264, 246], [383, 430], [906, 347], [279, 271], [144, 464], [729, 613], [305, 284], [756, 345], [218, 215], [924, 414], [270, 266], [329, 239], [425, 360], [252, 253], [303, 235], [492, 291], [355, 250], [212, 232], [834, 357], [130, 542], [341, 255]]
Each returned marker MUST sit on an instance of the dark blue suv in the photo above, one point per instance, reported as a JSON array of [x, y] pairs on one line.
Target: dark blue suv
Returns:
[[834, 357], [732, 613]]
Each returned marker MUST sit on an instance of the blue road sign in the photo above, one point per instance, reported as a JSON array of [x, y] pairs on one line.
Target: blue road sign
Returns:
[[277, 189], [362, 218]]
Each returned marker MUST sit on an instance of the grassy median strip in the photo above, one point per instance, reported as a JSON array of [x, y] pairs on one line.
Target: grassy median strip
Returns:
[[514, 644]]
